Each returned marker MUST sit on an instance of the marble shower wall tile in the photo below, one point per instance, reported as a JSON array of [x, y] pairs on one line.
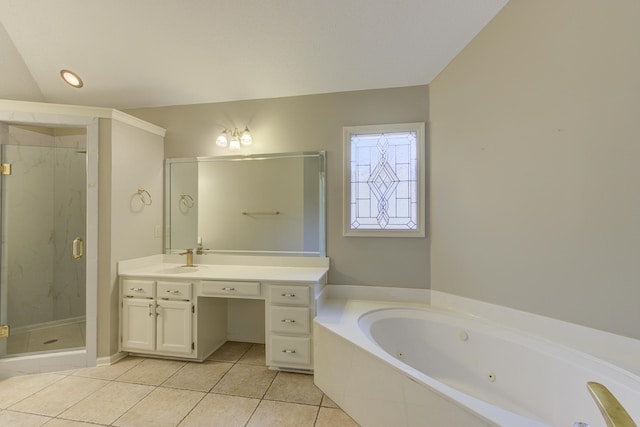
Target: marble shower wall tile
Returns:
[[28, 230], [69, 290], [43, 212]]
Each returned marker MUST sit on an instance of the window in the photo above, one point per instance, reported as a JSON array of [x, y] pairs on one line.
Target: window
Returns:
[[384, 185]]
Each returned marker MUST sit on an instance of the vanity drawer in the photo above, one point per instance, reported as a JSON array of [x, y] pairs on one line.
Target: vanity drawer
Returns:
[[291, 295], [230, 288], [291, 350], [290, 319], [174, 290], [137, 288]]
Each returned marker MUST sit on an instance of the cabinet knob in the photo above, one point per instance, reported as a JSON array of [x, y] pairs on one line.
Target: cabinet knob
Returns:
[[228, 289], [288, 295], [151, 310], [288, 351], [137, 289], [173, 291], [288, 321]]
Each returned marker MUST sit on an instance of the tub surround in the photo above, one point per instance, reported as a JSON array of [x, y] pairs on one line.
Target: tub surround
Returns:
[[177, 311], [617, 350], [368, 384], [404, 401]]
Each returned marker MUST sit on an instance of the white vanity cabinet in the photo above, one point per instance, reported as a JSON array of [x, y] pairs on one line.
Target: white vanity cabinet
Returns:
[[167, 310], [157, 317], [290, 309]]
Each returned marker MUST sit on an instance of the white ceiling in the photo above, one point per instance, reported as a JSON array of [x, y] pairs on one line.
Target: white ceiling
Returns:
[[147, 53]]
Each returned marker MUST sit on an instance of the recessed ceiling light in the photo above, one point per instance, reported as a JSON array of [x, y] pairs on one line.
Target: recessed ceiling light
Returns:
[[71, 78]]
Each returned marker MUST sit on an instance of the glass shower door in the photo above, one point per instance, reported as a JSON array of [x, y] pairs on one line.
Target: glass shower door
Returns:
[[42, 264]]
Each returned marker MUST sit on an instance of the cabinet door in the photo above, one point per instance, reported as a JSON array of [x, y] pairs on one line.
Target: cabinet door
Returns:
[[174, 327], [138, 324]]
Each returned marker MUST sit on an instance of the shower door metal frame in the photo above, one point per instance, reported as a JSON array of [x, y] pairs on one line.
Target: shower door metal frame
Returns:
[[73, 358]]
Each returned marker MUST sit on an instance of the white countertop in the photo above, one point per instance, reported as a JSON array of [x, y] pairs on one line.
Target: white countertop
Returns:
[[221, 267]]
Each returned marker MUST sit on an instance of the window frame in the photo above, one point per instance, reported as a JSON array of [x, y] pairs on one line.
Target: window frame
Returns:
[[347, 132]]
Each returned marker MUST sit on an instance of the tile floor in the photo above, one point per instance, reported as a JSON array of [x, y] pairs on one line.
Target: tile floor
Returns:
[[232, 388]]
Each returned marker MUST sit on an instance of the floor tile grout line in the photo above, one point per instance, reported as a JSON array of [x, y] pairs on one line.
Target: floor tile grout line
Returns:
[[270, 384], [79, 421], [237, 361], [155, 387], [260, 400], [252, 414], [37, 391], [291, 401], [110, 380], [315, 421], [268, 400], [204, 393], [132, 406], [107, 366], [29, 413], [84, 398], [191, 410]]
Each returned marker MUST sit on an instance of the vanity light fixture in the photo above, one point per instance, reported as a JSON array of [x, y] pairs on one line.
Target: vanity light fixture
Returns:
[[71, 78], [234, 139]]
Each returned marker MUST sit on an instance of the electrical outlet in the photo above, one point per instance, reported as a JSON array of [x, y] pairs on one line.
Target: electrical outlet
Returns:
[[157, 233]]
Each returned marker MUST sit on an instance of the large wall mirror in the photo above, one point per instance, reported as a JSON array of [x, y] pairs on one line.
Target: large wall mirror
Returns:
[[258, 205]]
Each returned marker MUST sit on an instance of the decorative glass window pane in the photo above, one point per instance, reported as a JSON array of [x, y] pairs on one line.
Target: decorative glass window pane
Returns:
[[384, 184]]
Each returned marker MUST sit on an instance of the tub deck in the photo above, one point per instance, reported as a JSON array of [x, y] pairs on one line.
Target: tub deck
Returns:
[[377, 388]]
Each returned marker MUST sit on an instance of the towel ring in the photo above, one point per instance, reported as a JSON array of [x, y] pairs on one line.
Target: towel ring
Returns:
[[145, 197], [187, 200]]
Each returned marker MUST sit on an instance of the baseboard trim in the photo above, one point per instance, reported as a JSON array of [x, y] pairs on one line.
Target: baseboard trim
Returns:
[[110, 360], [256, 339]]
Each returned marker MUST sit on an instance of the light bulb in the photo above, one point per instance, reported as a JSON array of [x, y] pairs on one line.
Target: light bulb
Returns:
[[234, 144], [221, 141], [71, 78], [246, 139]]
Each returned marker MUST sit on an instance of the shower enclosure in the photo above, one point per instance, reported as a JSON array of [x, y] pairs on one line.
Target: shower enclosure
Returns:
[[43, 218], [48, 231]]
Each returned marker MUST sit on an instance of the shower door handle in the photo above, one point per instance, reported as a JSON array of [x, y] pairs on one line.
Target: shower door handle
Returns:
[[78, 248]]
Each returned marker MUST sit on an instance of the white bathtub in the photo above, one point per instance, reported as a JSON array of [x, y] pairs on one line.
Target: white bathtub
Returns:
[[403, 364]]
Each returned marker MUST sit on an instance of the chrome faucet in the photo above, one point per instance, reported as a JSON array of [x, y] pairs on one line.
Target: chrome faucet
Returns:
[[189, 254]]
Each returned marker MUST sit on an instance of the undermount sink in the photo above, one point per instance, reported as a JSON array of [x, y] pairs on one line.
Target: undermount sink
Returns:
[[183, 269]]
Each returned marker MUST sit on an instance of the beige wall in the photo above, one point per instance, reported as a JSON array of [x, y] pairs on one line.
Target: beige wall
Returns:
[[536, 164], [130, 158], [312, 123], [21, 85]]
